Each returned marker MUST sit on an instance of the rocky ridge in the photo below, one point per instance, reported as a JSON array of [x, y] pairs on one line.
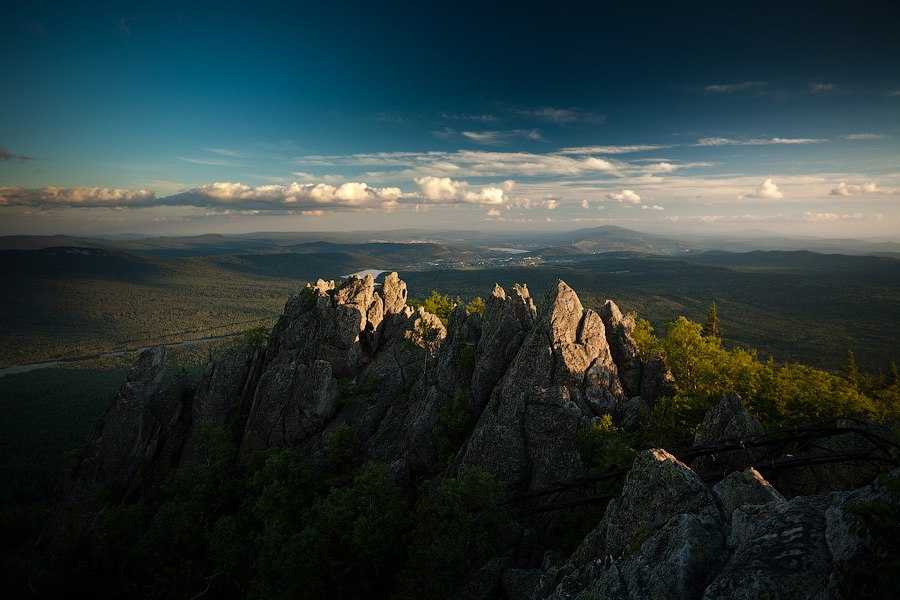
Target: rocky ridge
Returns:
[[357, 355]]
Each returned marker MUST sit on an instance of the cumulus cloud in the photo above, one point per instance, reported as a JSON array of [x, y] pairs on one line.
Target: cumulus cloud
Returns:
[[87, 197], [652, 207], [731, 88], [448, 191], [722, 141], [625, 197], [550, 204], [585, 204], [493, 213], [294, 196], [845, 189], [581, 150], [767, 190]]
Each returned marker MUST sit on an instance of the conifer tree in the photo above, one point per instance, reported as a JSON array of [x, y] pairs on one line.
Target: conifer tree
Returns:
[[852, 369], [711, 328]]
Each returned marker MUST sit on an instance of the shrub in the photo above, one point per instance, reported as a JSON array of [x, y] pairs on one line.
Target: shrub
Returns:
[[459, 526], [455, 421], [604, 447], [476, 306]]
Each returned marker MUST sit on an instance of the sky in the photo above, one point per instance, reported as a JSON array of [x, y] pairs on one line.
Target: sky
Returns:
[[189, 118]]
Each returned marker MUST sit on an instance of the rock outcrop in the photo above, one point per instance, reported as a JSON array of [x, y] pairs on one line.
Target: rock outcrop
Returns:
[[140, 437], [619, 333], [507, 320], [669, 536], [728, 420], [562, 374], [517, 386]]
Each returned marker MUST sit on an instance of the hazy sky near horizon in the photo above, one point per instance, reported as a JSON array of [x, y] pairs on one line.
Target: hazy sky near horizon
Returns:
[[187, 118]]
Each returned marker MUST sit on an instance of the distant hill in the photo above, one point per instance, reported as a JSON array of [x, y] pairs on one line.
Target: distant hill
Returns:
[[75, 262]]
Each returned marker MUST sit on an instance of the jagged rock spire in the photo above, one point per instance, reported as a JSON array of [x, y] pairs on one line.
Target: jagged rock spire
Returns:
[[526, 434]]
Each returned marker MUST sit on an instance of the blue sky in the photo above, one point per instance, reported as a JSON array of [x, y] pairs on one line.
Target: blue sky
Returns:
[[177, 119]]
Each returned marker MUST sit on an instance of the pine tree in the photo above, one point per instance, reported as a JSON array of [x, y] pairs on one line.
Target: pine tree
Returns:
[[852, 369], [711, 328]]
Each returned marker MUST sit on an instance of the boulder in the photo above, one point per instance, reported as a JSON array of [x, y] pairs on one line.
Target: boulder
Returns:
[[745, 487], [727, 420], [657, 488]]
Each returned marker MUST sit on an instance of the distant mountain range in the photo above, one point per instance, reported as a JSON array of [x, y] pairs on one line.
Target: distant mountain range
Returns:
[[401, 243]]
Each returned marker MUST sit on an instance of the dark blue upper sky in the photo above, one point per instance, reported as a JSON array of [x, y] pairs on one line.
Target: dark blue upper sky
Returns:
[[171, 98]]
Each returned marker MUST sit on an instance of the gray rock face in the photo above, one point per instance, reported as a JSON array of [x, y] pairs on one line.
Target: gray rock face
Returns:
[[526, 435], [656, 381], [328, 323], [727, 420], [665, 537], [141, 433], [745, 487], [619, 330], [657, 488], [507, 320], [783, 555], [292, 402], [350, 333], [394, 294], [218, 397], [661, 538]]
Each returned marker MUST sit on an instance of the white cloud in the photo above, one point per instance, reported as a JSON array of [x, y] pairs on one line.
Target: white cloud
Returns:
[[550, 204], [611, 149], [87, 197], [585, 204], [210, 162], [625, 197], [767, 190], [561, 116], [822, 88], [660, 168], [466, 163], [731, 88], [864, 136], [845, 189], [448, 191], [830, 217], [294, 196], [652, 207], [722, 141], [502, 137], [493, 212]]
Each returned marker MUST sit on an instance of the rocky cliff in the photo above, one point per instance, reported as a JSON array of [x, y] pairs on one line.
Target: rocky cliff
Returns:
[[527, 381]]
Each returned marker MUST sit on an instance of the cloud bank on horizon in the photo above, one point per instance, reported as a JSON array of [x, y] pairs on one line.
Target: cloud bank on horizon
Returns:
[[625, 122]]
